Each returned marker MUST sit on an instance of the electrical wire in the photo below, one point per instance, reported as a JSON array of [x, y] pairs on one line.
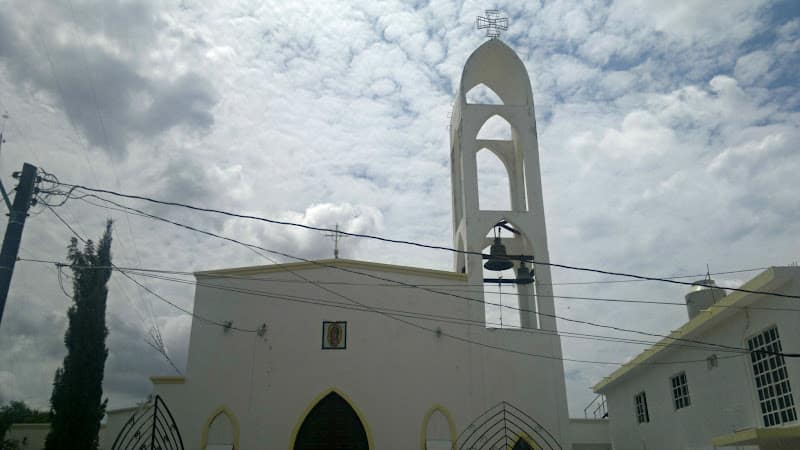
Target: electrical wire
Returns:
[[84, 198], [84, 143], [405, 242], [150, 291], [451, 287], [317, 263], [415, 314], [438, 332]]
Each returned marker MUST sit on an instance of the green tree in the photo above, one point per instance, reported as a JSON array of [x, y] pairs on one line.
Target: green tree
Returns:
[[76, 403]]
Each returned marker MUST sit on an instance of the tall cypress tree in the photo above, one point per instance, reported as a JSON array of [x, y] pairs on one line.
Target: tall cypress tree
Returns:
[[76, 403]]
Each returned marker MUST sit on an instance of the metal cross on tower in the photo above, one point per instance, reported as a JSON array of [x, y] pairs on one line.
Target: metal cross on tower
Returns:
[[492, 23], [336, 236]]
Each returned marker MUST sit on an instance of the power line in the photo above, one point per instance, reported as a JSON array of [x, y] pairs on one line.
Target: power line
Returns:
[[91, 82], [155, 341], [416, 314], [84, 143], [84, 198], [150, 291], [451, 287], [390, 316], [674, 277], [483, 301], [398, 241]]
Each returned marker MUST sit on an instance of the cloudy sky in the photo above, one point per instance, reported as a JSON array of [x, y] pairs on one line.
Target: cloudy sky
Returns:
[[668, 133]]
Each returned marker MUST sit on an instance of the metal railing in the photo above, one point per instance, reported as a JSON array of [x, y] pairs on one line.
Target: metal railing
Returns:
[[597, 407]]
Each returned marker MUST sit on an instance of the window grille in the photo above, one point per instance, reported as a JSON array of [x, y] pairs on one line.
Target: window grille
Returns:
[[772, 378], [680, 391], [642, 415]]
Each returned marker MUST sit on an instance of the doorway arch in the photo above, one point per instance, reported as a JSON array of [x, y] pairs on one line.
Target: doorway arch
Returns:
[[331, 422], [221, 430], [524, 442], [447, 421]]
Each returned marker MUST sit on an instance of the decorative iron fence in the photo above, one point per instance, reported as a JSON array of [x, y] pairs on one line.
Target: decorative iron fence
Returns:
[[151, 427], [505, 426]]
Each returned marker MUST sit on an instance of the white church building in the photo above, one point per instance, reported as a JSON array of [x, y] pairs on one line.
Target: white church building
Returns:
[[343, 354], [337, 364]]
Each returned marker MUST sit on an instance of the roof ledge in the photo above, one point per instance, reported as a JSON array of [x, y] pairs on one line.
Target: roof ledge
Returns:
[[759, 436]]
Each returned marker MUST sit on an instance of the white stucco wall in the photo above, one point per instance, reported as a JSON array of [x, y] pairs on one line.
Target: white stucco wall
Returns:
[[723, 399], [589, 434], [392, 372]]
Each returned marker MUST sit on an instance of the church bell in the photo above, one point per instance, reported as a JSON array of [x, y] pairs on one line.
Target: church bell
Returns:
[[524, 275], [498, 261]]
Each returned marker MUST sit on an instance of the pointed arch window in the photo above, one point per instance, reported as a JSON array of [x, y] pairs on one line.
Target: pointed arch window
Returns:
[[494, 185], [482, 94], [438, 429], [221, 431], [495, 128]]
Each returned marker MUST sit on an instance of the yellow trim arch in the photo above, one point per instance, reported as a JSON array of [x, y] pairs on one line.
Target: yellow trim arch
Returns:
[[234, 425], [316, 400], [423, 437]]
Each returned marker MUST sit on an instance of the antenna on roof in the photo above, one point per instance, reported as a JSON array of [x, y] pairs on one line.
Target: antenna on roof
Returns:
[[492, 23]]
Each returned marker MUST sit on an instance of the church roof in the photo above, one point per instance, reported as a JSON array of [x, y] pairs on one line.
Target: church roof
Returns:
[[332, 264], [769, 280], [496, 65]]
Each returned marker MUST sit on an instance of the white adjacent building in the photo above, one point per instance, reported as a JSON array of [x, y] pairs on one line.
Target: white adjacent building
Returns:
[[679, 394]]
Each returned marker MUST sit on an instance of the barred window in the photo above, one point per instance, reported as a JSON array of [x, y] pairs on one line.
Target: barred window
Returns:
[[642, 415], [680, 391], [772, 379]]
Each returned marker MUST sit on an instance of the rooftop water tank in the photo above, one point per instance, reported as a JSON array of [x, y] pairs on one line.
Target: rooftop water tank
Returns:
[[702, 295]]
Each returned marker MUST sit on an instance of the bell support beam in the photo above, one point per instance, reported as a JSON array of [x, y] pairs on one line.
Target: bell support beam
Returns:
[[508, 281]]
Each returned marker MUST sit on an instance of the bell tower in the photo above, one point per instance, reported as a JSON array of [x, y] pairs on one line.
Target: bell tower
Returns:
[[495, 66]]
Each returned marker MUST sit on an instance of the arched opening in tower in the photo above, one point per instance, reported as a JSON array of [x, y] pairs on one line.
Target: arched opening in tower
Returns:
[[483, 95], [501, 304], [510, 294], [495, 128], [494, 188]]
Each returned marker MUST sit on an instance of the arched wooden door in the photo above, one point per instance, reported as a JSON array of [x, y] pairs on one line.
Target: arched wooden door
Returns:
[[332, 425]]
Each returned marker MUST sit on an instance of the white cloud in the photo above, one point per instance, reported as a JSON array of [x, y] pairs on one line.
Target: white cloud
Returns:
[[699, 21], [753, 66]]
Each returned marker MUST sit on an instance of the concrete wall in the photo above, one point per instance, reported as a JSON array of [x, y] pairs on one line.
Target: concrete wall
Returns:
[[589, 434], [30, 436], [33, 435], [391, 372], [723, 398]]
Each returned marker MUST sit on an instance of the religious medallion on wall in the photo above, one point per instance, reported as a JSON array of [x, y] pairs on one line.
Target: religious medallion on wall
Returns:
[[334, 335]]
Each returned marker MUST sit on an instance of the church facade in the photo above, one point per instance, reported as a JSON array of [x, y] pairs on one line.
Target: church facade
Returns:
[[351, 351]]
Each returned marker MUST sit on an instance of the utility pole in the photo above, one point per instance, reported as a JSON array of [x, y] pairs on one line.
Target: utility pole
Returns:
[[17, 214]]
